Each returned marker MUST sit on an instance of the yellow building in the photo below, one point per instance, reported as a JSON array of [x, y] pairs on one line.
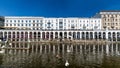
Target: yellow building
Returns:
[[110, 19]]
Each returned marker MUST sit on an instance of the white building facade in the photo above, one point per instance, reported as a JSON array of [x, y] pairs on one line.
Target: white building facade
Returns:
[[42, 23], [42, 28]]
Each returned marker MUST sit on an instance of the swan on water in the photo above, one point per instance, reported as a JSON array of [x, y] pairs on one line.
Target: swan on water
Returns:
[[66, 63]]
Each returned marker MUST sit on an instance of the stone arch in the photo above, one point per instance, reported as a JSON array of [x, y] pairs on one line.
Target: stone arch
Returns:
[[65, 35], [26, 36], [91, 35], [104, 35], [9, 34], [56, 35], [100, 36], [114, 36], [47, 35], [43, 35], [87, 35], [51, 35], [22, 36], [30, 35], [74, 35], [34, 36], [118, 36], [39, 36], [96, 35], [83, 35], [78, 35], [109, 36], [17, 36], [70, 35]]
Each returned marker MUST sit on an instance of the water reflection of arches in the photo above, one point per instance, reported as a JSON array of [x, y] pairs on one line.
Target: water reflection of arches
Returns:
[[80, 53]]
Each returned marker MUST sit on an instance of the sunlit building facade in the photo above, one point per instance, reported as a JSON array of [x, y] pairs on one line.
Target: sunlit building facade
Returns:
[[42, 23], [105, 25], [110, 19]]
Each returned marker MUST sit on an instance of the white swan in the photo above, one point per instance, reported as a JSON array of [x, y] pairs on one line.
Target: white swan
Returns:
[[66, 63], [68, 50]]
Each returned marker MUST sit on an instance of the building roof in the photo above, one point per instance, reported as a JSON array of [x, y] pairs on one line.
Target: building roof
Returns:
[[110, 11]]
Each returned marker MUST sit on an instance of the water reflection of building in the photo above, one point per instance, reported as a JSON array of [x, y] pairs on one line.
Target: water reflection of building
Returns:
[[80, 54]]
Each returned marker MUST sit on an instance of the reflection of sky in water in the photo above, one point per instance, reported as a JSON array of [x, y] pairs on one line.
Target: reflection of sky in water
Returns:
[[56, 55]]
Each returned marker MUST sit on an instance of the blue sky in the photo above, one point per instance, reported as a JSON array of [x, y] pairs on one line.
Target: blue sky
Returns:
[[56, 8]]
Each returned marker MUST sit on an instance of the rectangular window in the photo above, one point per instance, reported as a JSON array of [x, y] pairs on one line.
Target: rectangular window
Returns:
[[37, 20], [64, 20], [41, 21], [33, 24], [21, 24], [37, 24], [14, 20], [26, 21], [29, 20], [14, 24], [29, 24], [6, 24], [64, 24], [22, 21], [18, 20], [7, 21], [33, 20], [10, 20]]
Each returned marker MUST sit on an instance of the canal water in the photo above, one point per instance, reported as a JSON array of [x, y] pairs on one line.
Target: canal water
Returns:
[[63, 56]]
